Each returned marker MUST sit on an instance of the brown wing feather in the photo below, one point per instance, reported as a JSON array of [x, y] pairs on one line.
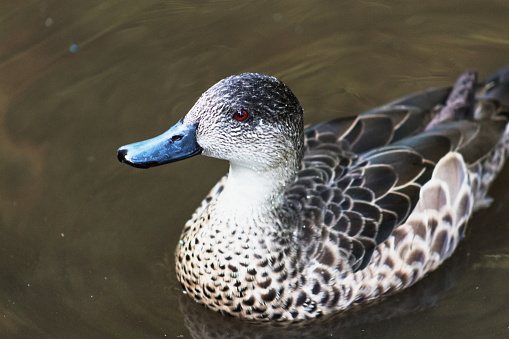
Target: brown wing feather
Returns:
[[363, 174]]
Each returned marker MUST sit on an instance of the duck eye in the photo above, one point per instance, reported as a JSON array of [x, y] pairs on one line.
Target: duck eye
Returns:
[[240, 115]]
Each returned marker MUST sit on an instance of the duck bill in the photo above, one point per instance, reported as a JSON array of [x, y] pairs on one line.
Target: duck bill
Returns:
[[177, 143]]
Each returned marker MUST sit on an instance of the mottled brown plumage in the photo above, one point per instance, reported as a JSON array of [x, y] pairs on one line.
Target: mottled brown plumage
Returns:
[[308, 222]]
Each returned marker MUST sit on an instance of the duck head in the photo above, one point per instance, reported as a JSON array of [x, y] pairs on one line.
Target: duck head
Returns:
[[252, 120]]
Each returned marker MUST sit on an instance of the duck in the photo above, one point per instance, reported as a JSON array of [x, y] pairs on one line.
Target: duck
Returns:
[[314, 220]]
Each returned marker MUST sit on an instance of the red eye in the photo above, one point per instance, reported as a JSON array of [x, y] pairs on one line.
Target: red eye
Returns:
[[240, 115]]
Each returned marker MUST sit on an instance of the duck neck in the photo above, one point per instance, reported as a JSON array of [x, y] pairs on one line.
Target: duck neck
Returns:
[[250, 193]]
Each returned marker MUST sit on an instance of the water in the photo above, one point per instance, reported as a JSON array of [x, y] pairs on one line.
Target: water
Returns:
[[87, 243]]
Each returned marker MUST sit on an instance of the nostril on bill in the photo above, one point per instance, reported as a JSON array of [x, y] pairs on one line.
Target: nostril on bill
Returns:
[[176, 138]]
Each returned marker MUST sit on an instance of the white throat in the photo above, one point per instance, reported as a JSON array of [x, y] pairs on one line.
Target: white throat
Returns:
[[249, 192]]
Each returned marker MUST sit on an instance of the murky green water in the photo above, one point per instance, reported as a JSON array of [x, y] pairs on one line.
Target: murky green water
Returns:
[[87, 244]]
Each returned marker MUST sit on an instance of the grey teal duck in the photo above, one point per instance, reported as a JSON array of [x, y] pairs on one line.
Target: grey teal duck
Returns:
[[309, 221]]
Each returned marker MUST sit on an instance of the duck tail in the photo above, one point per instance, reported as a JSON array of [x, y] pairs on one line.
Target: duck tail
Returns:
[[493, 99], [492, 108], [471, 100], [460, 102]]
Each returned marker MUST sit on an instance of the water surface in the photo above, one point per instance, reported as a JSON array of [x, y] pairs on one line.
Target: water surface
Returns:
[[87, 243]]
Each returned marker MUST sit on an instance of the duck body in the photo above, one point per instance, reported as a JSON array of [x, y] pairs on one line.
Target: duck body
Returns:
[[312, 221]]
